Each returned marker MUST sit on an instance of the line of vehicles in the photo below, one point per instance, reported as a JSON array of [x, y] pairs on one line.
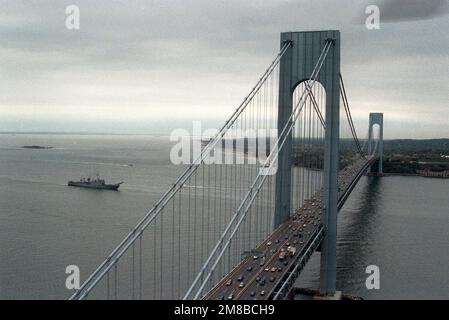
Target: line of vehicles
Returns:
[[258, 275], [256, 278]]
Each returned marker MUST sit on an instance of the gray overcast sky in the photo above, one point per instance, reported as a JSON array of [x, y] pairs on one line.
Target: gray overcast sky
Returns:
[[150, 66]]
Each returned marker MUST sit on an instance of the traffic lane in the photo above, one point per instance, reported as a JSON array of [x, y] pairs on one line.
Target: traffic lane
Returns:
[[307, 213], [223, 291], [243, 294], [254, 263], [274, 270], [311, 214], [345, 177]]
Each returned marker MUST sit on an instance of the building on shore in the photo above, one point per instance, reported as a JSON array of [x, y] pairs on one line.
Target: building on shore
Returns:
[[433, 174]]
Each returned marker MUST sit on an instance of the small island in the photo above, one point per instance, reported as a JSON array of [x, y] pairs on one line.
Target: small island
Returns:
[[37, 147]]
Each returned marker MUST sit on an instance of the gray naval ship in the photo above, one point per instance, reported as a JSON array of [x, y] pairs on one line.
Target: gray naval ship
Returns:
[[97, 183]]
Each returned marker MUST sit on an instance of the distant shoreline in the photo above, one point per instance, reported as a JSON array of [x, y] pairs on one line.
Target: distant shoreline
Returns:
[[161, 135], [391, 174], [86, 134]]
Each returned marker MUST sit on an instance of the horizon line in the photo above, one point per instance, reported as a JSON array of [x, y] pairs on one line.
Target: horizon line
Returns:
[[151, 134]]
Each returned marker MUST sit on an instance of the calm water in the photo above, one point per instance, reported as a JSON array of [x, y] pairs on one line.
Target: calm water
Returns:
[[402, 226]]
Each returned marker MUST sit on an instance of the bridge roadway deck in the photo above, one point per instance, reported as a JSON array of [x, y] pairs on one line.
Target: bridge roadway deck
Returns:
[[256, 277]]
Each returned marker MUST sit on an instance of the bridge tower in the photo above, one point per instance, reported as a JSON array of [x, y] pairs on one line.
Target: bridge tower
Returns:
[[295, 67], [376, 118]]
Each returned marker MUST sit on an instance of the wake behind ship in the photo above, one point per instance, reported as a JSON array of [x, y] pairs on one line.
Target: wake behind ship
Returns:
[[97, 183]]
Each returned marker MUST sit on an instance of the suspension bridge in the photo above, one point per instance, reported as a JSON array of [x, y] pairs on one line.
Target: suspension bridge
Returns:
[[260, 196]]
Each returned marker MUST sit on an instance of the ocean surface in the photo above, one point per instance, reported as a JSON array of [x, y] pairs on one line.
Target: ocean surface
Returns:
[[400, 224]]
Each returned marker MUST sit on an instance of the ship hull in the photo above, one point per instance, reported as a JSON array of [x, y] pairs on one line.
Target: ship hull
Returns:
[[98, 187]]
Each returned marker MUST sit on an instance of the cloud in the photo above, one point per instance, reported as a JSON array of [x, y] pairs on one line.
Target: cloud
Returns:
[[152, 59], [404, 10], [411, 10]]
